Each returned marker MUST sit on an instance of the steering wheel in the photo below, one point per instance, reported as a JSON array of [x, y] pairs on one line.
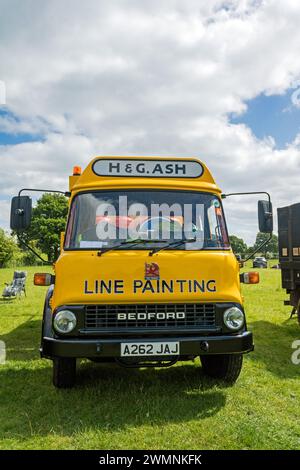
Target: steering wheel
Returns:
[[157, 226]]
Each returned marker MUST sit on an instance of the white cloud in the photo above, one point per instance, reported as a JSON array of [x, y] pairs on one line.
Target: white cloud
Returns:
[[129, 77], [4, 213], [2, 93]]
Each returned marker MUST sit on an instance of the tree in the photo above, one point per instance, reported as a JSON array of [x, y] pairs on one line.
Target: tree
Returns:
[[48, 220], [270, 247], [237, 244], [8, 248]]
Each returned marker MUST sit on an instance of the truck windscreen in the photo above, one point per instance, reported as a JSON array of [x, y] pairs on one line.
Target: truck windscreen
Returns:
[[104, 219]]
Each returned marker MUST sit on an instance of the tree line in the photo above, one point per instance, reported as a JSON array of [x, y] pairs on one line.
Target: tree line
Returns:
[[270, 250]]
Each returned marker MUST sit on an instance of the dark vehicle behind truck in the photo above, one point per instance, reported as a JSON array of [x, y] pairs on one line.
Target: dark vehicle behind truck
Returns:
[[260, 262], [289, 253]]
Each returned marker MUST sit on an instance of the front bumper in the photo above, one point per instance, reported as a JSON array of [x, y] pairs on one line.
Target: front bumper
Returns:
[[110, 348]]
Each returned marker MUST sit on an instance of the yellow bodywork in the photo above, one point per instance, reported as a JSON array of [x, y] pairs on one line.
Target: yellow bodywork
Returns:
[[83, 277]]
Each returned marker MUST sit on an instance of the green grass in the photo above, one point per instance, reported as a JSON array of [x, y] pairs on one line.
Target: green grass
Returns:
[[175, 408]]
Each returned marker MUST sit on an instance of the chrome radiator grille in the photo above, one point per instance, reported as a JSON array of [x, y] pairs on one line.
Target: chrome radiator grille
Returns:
[[190, 316]]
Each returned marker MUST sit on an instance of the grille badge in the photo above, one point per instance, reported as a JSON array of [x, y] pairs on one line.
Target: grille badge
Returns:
[[152, 316]]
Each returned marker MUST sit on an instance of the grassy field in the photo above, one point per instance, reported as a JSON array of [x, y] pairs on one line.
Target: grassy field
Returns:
[[175, 408]]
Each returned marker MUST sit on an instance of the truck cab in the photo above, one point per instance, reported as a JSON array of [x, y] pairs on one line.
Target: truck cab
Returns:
[[146, 276]]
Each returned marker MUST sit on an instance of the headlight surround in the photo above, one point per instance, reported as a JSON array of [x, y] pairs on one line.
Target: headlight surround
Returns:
[[64, 322], [234, 318]]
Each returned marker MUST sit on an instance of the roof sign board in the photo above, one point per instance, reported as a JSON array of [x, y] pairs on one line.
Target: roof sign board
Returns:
[[150, 168]]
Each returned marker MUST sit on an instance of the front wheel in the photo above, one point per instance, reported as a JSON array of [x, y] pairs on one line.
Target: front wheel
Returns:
[[226, 367], [64, 372]]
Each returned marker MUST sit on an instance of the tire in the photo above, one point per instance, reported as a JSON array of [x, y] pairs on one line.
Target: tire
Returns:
[[226, 367], [64, 372]]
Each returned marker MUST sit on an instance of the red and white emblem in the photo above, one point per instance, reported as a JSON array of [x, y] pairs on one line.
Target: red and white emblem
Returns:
[[151, 271]]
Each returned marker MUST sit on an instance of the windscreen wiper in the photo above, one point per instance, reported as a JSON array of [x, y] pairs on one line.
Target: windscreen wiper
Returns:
[[137, 241], [172, 244]]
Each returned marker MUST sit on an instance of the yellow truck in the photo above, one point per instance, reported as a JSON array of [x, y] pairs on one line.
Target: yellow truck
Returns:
[[146, 276]]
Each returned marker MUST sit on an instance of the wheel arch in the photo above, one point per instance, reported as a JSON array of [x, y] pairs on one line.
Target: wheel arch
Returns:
[[47, 318]]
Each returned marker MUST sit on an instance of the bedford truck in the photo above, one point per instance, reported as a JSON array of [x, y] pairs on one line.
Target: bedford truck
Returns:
[[146, 276]]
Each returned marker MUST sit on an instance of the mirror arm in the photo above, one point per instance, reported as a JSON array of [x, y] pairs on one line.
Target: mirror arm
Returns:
[[258, 249], [224, 196], [33, 251], [65, 193]]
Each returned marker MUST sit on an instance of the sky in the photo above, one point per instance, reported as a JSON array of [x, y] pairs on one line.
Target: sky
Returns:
[[217, 80]]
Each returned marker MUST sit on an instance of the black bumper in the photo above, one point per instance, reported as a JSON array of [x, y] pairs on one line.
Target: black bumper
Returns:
[[110, 348]]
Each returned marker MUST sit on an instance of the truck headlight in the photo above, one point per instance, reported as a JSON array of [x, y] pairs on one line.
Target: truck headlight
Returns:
[[234, 318], [64, 321]]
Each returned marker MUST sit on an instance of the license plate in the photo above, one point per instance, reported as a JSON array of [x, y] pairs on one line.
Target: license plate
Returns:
[[150, 349]]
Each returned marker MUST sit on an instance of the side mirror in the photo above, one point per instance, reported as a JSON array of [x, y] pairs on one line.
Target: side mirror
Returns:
[[265, 217], [20, 214]]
